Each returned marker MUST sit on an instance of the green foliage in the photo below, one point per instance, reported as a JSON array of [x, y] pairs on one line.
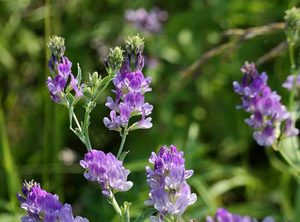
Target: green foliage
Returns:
[[194, 108]]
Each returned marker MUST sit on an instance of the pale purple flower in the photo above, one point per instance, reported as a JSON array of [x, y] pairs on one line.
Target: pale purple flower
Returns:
[[169, 192], [147, 21], [43, 206], [107, 170], [223, 215], [130, 87], [269, 118], [291, 81]]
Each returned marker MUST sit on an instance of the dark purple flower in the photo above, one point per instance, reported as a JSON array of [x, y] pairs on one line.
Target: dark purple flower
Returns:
[[169, 192], [56, 87], [269, 118], [223, 215], [147, 21], [63, 78], [107, 170], [43, 206]]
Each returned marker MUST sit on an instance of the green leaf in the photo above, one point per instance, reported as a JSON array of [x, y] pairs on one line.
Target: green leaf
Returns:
[[145, 215]]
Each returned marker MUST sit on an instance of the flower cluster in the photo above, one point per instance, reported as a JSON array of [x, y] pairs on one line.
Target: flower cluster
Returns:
[[107, 170], [147, 21], [222, 215], [269, 118], [169, 192], [130, 87], [43, 206], [63, 80]]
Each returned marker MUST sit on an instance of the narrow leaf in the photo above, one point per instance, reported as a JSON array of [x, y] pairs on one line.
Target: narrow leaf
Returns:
[[145, 215]]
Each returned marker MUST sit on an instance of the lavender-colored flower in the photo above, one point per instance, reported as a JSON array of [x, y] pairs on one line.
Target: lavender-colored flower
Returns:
[[223, 215], [107, 170], [130, 87], [292, 81], [43, 206], [269, 118], [147, 21], [169, 192]]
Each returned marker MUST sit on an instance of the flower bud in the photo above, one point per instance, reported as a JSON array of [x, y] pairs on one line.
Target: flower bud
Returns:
[[57, 46], [114, 59], [292, 25], [134, 45]]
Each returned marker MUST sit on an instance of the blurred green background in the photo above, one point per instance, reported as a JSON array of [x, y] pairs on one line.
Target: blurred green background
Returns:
[[194, 109]]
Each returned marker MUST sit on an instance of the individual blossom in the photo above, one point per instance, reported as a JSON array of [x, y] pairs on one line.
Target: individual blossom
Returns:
[[147, 21], [130, 87], [43, 206], [62, 79], [292, 81], [269, 118], [169, 192], [223, 215], [107, 170]]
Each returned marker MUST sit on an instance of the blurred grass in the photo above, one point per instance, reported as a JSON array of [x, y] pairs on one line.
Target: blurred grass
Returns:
[[11, 174], [197, 113]]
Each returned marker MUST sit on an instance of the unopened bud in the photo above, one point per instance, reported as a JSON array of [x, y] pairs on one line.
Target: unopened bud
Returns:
[[114, 59], [57, 46], [292, 24], [134, 45]]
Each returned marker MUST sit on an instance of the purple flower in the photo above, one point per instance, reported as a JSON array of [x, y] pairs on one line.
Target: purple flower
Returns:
[[130, 87], [269, 118], [150, 22], [56, 87], [43, 206], [291, 81], [58, 83], [169, 192], [107, 170], [222, 215]]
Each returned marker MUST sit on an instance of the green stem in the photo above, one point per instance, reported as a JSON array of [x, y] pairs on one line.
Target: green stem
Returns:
[[297, 203], [293, 72], [116, 206], [76, 121], [125, 132], [86, 128], [292, 57], [47, 141]]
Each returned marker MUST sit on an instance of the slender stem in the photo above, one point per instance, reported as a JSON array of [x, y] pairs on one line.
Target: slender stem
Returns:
[[116, 206], [292, 57], [86, 128], [76, 121], [125, 132], [47, 141], [297, 202], [293, 72]]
